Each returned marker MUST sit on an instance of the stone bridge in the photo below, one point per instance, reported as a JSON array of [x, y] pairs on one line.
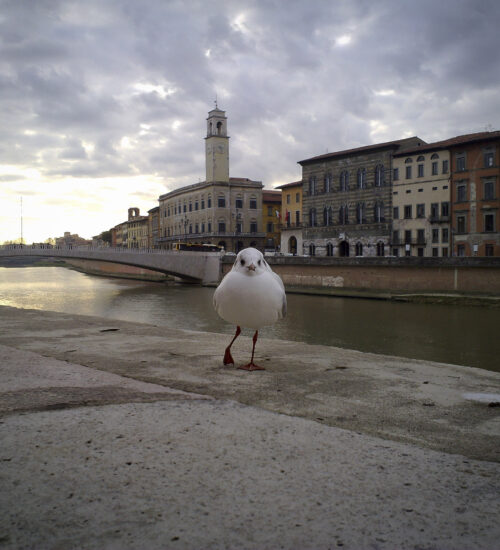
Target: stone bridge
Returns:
[[198, 267]]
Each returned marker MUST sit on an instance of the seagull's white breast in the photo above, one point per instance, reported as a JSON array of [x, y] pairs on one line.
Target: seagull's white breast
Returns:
[[250, 300]]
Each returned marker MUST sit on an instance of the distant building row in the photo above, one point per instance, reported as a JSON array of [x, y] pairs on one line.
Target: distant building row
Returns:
[[400, 198]]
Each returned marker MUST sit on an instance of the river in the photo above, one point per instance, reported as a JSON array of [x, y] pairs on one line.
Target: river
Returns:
[[463, 335]]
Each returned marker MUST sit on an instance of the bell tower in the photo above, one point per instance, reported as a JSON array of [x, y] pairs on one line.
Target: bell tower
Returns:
[[217, 147]]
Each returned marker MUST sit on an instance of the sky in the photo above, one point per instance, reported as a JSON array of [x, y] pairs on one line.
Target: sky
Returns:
[[103, 103]]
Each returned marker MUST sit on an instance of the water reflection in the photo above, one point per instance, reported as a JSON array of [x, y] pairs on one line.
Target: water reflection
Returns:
[[453, 334]]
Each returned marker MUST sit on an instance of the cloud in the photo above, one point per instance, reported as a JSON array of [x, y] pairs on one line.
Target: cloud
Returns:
[[119, 90]]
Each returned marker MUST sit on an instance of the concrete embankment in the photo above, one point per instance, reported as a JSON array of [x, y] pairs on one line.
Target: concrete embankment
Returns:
[[122, 435]]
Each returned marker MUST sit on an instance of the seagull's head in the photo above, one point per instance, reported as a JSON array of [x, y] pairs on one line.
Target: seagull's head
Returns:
[[250, 261]]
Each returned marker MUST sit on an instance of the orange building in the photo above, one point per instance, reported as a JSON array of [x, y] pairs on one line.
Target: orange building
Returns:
[[475, 194], [271, 212]]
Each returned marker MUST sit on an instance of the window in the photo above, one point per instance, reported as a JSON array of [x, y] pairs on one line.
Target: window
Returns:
[[420, 252], [297, 217], [239, 226], [434, 156], [445, 166], [269, 227], [421, 158], [203, 204], [421, 236], [408, 236], [344, 214], [253, 226], [378, 212], [488, 250], [445, 209], [312, 185], [221, 201], [461, 193], [359, 249], [222, 227], [312, 217], [360, 213], [444, 251], [184, 208], [460, 162], [408, 160], [312, 250], [420, 210], [395, 174], [327, 215], [253, 203], [489, 158], [288, 197], [395, 237], [408, 213], [489, 190], [461, 224], [435, 168], [190, 207], [269, 210], [445, 235], [379, 175], [196, 228], [329, 249], [209, 227], [190, 229], [297, 197], [420, 170], [239, 202], [408, 172], [196, 205], [203, 227], [328, 182], [461, 250], [380, 249], [361, 178], [344, 180], [209, 202], [435, 235], [489, 222], [395, 212]]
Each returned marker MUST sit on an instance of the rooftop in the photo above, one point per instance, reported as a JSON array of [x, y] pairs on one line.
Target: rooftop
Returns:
[[454, 141]]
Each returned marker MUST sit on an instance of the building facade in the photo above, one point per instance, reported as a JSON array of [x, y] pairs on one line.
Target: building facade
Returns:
[[221, 210], [271, 212], [153, 227], [137, 229], [347, 200], [291, 218], [421, 202], [475, 194]]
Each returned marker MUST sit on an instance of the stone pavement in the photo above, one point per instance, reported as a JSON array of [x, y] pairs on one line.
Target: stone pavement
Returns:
[[102, 447]]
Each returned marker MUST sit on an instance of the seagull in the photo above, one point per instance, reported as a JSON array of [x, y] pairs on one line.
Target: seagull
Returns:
[[251, 295]]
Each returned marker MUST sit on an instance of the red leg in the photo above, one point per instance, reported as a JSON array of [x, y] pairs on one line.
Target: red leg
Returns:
[[252, 365], [228, 358]]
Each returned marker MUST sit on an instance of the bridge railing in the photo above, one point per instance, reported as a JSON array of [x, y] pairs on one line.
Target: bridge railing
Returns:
[[30, 249]]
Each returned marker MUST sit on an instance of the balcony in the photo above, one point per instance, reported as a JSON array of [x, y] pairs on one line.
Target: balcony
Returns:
[[297, 225]]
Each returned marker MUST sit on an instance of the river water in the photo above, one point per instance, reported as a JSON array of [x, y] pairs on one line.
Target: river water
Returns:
[[463, 335]]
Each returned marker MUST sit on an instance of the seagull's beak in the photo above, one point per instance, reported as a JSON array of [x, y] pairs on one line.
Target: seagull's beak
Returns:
[[251, 267]]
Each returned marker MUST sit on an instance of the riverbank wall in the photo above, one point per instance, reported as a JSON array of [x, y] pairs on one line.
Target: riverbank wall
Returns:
[[386, 277], [108, 269]]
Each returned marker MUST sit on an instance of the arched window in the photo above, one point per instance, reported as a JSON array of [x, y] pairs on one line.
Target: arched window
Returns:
[[312, 217], [421, 158], [360, 213], [328, 182], [408, 160], [219, 128], [434, 156], [359, 249], [379, 175], [344, 180], [292, 245], [344, 214], [329, 249], [312, 249], [378, 212], [327, 215], [361, 178], [312, 185], [380, 249]]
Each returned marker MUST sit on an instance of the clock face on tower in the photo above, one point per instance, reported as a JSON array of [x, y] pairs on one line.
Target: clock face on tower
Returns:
[[220, 148]]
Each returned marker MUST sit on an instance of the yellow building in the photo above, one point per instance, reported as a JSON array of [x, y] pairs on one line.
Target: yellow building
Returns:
[[271, 214], [291, 218], [137, 229], [421, 202]]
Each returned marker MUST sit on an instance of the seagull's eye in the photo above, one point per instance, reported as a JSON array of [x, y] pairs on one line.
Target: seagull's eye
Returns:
[[242, 262], [259, 262]]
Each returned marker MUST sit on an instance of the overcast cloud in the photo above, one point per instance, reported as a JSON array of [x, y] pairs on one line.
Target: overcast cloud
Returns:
[[103, 103]]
